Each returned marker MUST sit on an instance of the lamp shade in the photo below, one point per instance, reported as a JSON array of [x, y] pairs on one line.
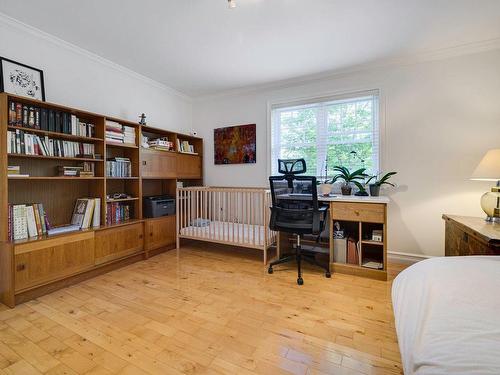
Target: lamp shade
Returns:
[[489, 167]]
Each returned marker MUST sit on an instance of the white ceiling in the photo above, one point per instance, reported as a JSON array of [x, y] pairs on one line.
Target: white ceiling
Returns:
[[200, 47]]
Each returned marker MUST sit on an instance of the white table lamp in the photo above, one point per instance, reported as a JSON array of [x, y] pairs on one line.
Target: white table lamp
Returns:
[[489, 170]]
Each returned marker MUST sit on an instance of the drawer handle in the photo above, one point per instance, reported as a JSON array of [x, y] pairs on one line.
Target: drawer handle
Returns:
[[144, 162], [20, 267], [356, 213]]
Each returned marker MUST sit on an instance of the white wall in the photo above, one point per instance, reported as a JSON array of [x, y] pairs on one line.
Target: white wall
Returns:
[[79, 79], [440, 117]]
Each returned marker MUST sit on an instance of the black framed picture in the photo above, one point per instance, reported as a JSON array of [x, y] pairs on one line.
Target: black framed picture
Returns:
[[20, 79]]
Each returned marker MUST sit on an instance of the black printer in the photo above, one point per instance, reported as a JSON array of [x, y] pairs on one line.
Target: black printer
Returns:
[[158, 205]]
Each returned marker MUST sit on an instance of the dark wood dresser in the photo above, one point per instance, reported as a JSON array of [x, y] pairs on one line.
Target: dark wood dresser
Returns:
[[465, 235]]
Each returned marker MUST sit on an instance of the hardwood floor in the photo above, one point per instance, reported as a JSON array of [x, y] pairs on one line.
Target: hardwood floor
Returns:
[[212, 311]]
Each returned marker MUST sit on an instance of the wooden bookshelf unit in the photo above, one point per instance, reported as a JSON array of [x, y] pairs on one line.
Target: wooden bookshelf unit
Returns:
[[38, 265]]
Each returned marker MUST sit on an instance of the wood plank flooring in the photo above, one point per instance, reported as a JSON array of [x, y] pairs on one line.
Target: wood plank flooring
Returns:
[[212, 311]]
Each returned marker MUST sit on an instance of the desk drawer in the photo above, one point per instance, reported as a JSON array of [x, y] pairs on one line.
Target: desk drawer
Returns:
[[367, 212]]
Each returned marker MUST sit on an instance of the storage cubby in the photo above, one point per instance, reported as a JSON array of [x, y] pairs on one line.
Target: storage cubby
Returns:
[[59, 211]]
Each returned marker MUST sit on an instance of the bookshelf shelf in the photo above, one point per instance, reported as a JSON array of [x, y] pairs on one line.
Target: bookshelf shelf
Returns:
[[122, 200], [58, 135], [121, 145], [117, 225], [54, 158], [122, 178], [42, 178], [370, 242]]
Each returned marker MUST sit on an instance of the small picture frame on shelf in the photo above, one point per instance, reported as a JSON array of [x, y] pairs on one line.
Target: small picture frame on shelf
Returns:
[[20, 79]]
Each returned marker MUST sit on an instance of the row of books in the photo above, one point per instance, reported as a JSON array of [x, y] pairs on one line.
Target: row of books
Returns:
[[27, 220], [117, 212], [47, 119], [160, 144], [86, 169], [118, 167], [20, 142], [15, 171], [118, 133], [184, 146], [87, 212]]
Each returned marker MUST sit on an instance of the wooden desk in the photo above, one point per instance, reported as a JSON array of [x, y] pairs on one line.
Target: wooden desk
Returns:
[[361, 215], [465, 235]]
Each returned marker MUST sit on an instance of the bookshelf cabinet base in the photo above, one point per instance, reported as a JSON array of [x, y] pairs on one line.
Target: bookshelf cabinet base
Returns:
[[32, 269]]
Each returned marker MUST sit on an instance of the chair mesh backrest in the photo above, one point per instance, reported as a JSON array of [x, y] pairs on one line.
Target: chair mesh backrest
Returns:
[[295, 204]]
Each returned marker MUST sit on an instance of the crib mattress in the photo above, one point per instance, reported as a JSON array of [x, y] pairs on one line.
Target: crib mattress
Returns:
[[223, 231]]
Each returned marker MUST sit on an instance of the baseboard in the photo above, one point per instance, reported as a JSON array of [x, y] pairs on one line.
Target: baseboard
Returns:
[[405, 258]]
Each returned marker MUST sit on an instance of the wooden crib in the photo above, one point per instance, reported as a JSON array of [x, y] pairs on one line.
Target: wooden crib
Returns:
[[226, 215]]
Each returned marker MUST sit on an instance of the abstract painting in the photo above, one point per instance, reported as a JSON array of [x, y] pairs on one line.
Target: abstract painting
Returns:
[[235, 144], [20, 79]]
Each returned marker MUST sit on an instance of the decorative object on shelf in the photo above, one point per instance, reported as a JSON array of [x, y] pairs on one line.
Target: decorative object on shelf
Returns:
[[235, 144], [349, 178], [20, 79], [231, 4], [142, 120], [185, 147], [488, 169], [375, 186], [377, 235], [325, 187], [194, 133]]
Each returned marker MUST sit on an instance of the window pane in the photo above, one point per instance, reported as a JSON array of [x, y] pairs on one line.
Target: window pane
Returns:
[[341, 132], [296, 152]]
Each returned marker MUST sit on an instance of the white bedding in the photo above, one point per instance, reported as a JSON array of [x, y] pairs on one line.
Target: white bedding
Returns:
[[447, 314], [227, 231]]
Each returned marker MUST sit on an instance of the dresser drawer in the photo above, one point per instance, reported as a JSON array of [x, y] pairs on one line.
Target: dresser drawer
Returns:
[[367, 212]]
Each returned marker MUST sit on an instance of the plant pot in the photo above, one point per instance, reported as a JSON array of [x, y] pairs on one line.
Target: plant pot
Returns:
[[346, 189], [325, 189], [374, 190]]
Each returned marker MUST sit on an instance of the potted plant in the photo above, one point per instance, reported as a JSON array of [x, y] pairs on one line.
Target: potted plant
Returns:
[[378, 182], [324, 185], [348, 177]]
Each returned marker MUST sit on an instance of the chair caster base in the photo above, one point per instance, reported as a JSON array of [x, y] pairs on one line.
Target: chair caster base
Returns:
[[270, 270], [300, 281], [328, 275]]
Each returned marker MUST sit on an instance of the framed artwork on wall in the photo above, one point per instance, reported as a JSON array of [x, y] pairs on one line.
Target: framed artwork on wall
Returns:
[[20, 79], [235, 144]]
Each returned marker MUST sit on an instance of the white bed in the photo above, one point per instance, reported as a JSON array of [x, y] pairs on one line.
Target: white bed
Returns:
[[447, 313]]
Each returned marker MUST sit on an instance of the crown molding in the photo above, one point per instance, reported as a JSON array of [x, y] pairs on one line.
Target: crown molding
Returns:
[[21, 26], [401, 61]]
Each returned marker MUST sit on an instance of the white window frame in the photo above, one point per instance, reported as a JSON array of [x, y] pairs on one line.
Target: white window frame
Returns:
[[336, 96]]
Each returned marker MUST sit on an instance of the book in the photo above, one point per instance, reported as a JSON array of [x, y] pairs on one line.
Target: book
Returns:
[[31, 222], [96, 219], [89, 211], [79, 212], [38, 219], [20, 224], [63, 229]]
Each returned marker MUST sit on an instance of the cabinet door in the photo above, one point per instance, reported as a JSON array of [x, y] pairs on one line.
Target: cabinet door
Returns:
[[160, 232], [160, 164], [40, 262], [115, 243], [188, 166]]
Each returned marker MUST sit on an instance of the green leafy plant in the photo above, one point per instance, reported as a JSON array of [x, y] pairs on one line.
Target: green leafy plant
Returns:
[[347, 176], [382, 180]]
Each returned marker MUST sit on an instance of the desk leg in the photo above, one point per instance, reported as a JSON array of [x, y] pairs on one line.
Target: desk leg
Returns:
[[331, 260]]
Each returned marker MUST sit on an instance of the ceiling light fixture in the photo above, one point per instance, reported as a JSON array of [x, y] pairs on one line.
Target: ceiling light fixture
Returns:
[[231, 4]]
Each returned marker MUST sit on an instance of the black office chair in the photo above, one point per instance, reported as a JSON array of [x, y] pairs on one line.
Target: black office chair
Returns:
[[295, 210]]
